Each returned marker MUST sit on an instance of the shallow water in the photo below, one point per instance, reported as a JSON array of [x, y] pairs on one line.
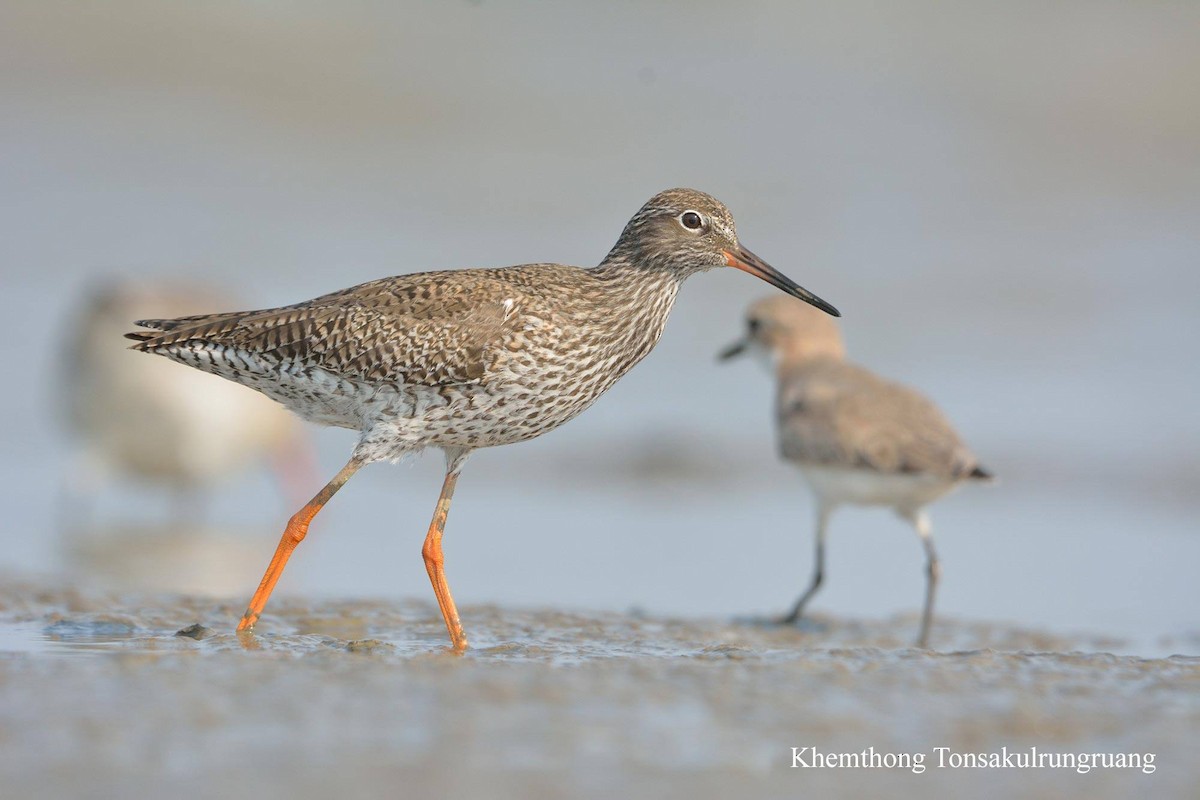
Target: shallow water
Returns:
[[149, 693]]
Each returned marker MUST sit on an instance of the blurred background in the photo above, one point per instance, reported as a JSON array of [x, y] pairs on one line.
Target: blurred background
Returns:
[[1002, 199]]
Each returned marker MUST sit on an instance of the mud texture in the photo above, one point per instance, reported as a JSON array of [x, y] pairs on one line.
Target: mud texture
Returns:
[[153, 695]]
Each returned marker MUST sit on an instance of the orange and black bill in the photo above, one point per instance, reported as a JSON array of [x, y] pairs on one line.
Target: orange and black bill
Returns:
[[746, 261]]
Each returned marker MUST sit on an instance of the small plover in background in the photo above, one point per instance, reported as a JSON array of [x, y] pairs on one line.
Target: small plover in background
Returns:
[[857, 438]]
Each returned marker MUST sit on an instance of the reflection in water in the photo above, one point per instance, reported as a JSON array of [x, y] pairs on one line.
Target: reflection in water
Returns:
[[194, 559]]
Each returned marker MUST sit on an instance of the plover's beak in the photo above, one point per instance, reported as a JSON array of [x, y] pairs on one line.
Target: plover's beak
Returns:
[[746, 261], [735, 349]]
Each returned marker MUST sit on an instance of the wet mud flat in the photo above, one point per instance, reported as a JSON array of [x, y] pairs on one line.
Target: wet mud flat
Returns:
[[105, 695]]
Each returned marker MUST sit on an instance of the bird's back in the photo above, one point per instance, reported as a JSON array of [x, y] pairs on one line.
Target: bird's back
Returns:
[[543, 340], [838, 415], [427, 328]]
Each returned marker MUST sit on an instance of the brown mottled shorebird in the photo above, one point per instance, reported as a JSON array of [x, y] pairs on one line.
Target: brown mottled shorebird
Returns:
[[857, 438], [463, 359]]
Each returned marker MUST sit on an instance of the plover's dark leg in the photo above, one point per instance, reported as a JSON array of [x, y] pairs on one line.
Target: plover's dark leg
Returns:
[[823, 512], [933, 570]]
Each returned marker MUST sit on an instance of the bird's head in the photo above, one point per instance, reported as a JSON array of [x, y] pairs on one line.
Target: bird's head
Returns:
[[780, 329], [687, 231]]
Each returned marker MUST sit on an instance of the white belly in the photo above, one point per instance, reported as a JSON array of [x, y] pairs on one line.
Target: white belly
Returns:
[[837, 485]]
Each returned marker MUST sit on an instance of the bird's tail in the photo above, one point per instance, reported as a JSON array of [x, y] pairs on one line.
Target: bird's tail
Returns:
[[981, 474], [157, 329]]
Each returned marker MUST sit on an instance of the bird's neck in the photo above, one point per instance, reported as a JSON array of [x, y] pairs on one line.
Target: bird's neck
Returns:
[[640, 292], [636, 301]]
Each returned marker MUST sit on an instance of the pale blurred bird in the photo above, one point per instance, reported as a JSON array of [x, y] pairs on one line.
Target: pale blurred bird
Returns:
[[857, 438], [158, 422]]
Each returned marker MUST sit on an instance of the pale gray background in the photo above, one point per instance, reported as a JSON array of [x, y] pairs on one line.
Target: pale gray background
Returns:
[[1002, 199]]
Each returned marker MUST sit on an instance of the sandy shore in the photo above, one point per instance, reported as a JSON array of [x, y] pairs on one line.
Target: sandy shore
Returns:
[[100, 697]]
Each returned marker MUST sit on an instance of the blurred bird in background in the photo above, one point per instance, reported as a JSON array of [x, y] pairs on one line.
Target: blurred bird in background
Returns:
[[160, 424], [857, 438], [155, 422]]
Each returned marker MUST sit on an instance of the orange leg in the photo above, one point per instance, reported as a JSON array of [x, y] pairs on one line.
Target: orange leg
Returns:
[[295, 531], [432, 552]]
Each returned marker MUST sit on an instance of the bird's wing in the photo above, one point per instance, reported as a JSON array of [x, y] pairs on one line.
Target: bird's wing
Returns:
[[433, 329], [840, 415]]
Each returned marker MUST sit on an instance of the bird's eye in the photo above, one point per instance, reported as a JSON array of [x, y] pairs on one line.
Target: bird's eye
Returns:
[[691, 220], [754, 325]]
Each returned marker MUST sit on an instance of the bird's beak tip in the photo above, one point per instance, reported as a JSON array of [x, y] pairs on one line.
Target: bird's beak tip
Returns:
[[743, 259]]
